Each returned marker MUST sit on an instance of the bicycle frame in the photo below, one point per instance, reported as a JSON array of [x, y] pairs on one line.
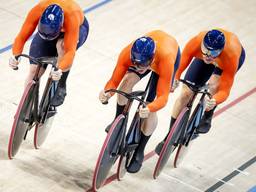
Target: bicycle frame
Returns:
[[49, 91], [197, 114], [36, 115], [122, 141], [129, 146], [194, 120]]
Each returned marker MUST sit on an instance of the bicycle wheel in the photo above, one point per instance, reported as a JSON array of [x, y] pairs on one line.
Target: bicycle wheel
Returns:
[[121, 168], [46, 118], [107, 156], [180, 154], [22, 120], [171, 141], [42, 131], [132, 141], [189, 135]]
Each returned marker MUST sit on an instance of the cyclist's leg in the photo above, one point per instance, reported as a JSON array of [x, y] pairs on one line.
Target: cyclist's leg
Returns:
[[149, 124], [197, 74], [31, 73], [60, 93], [147, 128], [130, 79], [39, 48], [59, 97], [205, 123], [214, 81]]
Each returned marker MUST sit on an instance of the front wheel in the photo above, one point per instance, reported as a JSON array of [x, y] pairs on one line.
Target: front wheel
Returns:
[[108, 156], [22, 120], [171, 141]]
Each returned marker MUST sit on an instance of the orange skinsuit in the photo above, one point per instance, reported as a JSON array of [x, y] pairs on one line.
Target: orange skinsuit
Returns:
[[228, 61], [73, 18], [163, 65]]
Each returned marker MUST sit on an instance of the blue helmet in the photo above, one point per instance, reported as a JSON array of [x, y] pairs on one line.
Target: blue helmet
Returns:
[[143, 51], [214, 40], [51, 22]]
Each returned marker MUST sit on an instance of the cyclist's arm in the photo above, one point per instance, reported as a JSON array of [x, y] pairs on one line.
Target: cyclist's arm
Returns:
[[27, 29], [226, 82], [187, 55], [71, 36], [120, 69], [166, 69]]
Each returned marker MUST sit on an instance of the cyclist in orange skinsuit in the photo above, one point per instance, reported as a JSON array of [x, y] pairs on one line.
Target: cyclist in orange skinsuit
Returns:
[[62, 29], [157, 52], [217, 55]]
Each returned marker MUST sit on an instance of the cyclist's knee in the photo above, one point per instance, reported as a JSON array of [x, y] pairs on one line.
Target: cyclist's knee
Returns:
[[127, 84], [129, 80], [32, 68], [186, 94], [149, 125], [214, 84], [32, 71]]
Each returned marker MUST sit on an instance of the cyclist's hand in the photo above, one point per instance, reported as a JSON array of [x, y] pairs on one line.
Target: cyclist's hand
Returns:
[[144, 112], [13, 63], [209, 103], [175, 84], [56, 75], [104, 97]]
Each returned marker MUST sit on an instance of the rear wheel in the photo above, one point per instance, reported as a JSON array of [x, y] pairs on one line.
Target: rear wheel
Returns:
[[132, 140], [190, 135], [22, 120], [47, 114], [121, 168], [180, 154], [171, 142], [109, 152], [42, 131]]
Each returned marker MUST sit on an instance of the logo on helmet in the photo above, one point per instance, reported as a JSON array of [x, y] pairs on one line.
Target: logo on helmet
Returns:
[[51, 17], [143, 39]]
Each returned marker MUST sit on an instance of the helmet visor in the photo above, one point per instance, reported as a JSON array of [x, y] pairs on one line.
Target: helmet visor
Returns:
[[48, 37], [210, 53], [140, 60]]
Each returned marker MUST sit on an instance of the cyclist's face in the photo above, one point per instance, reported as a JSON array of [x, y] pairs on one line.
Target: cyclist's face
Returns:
[[207, 59], [142, 68], [209, 56]]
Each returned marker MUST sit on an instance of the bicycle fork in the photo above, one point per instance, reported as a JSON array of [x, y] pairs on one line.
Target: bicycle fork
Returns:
[[120, 142], [30, 118]]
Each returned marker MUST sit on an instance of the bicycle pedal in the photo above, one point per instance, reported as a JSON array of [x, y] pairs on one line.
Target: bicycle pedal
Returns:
[[51, 114], [26, 121], [175, 144], [131, 147], [30, 126], [194, 136], [113, 154]]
